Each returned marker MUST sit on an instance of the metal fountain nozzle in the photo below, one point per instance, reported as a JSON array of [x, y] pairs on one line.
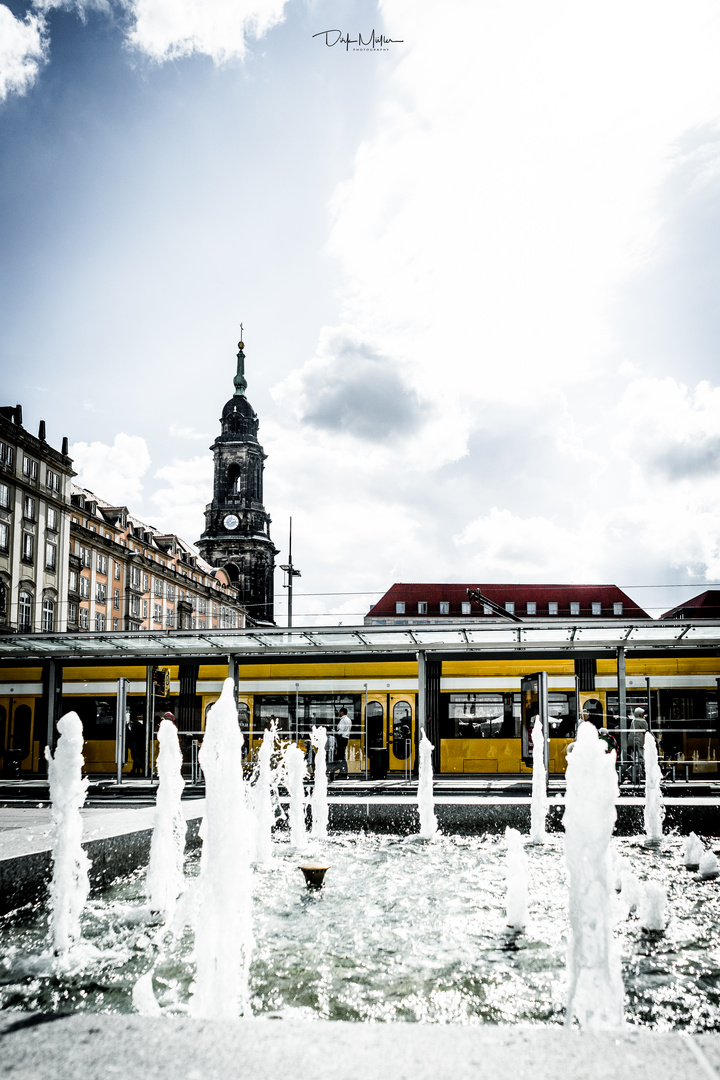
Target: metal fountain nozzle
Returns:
[[314, 873]]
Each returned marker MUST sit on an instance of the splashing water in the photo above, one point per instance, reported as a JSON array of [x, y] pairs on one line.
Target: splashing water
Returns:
[[223, 934], [70, 883], [425, 797], [693, 851], [654, 807], [319, 795], [165, 879], [539, 802], [654, 907], [262, 798], [295, 773], [709, 867], [595, 994], [516, 880]]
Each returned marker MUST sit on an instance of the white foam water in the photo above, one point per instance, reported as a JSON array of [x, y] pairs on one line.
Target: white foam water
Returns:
[[425, 796], [320, 788], [70, 883], [262, 798], [223, 933], [654, 806], [295, 772], [516, 880], [595, 993], [693, 851], [709, 867], [539, 801], [165, 878], [653, 907]]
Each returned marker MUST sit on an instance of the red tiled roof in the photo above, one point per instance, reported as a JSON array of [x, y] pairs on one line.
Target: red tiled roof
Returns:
[[705, 605], [542, 595]]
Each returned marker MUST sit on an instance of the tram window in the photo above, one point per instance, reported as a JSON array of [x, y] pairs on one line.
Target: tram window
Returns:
[[402, 730], [562, 715], [476, 716], [3, 717], [374, 723], [21, 729]]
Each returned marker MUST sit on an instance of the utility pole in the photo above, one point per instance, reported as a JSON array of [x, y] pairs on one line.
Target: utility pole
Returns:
[[291, 572]]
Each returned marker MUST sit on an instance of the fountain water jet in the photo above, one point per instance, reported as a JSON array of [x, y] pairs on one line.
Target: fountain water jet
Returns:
[[654, 807], [539, 802], [693, 851], [516, 889], [165, 878], [223, 934], [709, 867], [262, 798], [295, 773], [425, 797], [319, 795], [654, 906], [70, 883], [595, 993]]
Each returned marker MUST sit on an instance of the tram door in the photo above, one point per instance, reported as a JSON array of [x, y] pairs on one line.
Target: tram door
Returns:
[[401, 732], [16, 731]]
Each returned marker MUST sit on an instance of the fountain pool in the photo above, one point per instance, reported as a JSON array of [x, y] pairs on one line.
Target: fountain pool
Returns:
[[404, 930]]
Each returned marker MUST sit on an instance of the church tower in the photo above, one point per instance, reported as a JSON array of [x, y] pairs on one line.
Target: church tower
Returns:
[[237, 528]]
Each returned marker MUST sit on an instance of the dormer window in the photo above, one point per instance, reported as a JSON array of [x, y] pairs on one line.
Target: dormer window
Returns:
[[487, 610], [399, 607], [531, 607], [510, 606], [466, 607], [596, 608], [444, 607], [574, 607], [617, 609], [422, 607], [553, 607]]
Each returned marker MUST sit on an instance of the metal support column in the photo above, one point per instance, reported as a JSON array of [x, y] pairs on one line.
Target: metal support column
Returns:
[[421, 718], [54, 701], [120, 722], [234, 674], [149, 719], [622, 706]]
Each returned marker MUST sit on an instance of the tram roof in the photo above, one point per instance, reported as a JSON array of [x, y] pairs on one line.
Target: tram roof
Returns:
[[588, 637]]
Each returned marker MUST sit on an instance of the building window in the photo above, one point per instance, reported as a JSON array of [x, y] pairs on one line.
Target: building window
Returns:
[[30, 468], [170, 618], [144, 609], [146, 582], [85, 587], [52, 480], [52, 519], [116, 624], [99, 622], [399, 607], [531, 607], [202, 606], [48, 615], [73, 581], [5, 496], [84, 618], [487, 610], [85, 555], [466, 607], [617, 609], [101, 563], [214, 609], [422, 607], [117, 570], [4, 537], [135, 576], [50, 557], [553, 607], [134, 605], [158, 587], [596, 608], [116, 599], [157, 613], [510, 606], [28, 547], [72, 613], [29, 508], [101, 592], [6, 454], [574, 607], [170, 591], [25, 613], [444, 607]]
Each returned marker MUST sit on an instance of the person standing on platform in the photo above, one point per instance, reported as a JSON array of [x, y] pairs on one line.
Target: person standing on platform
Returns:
[[344, 727]]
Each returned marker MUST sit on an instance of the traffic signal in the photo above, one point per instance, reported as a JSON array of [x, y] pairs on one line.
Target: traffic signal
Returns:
[[161, 681]]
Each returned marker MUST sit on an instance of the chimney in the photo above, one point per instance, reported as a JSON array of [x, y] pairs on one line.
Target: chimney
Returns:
[[65, 446], [18, 415], [41, 431]]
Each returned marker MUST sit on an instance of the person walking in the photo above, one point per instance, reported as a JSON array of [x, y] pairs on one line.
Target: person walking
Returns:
[[344, 728]]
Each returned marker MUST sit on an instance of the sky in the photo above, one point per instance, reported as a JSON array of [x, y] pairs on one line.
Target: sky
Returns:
[[476, 266]]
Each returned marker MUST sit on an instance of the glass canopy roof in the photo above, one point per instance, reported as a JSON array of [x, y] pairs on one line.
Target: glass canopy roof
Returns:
[[171, 645]]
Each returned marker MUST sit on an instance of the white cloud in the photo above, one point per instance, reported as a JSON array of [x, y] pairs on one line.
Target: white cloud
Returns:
[[169, 29], [23, 48], [179, 504], [113, 472], [179, 432]]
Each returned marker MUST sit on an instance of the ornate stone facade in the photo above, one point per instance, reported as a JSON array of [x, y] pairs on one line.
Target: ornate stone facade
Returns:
[[237, 526]]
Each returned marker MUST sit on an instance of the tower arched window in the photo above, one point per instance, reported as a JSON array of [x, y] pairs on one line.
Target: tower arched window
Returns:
[[234, 480]]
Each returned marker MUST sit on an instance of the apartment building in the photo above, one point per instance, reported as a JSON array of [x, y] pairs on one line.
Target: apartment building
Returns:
[[35, 482]]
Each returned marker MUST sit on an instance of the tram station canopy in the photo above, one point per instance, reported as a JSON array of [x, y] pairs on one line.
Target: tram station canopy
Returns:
[[582, 637]]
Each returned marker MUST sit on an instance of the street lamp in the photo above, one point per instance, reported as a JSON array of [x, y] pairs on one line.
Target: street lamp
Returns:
[[291, 573]]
